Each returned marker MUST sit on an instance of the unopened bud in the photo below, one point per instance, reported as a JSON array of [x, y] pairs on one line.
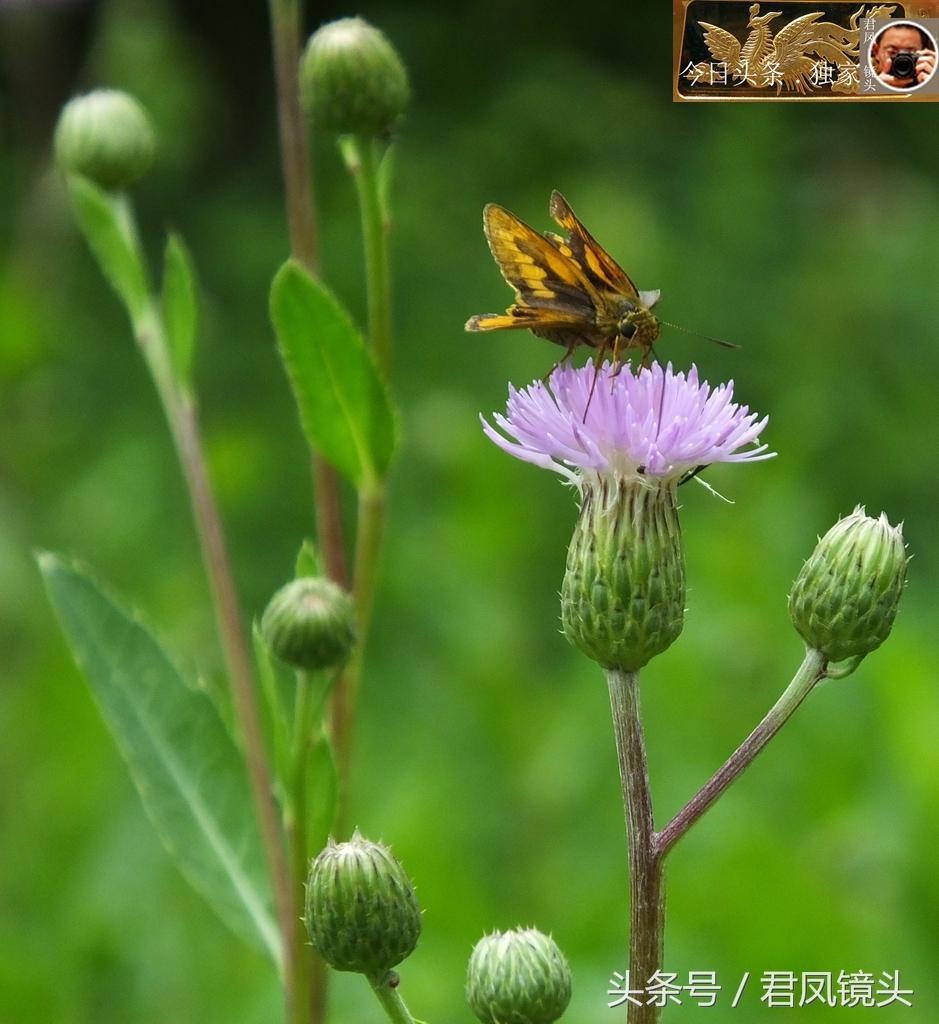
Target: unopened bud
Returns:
[[107, 136], [518, 977], [310, 623], [846, 596], [352, 80], [361, 911], [623, 596]]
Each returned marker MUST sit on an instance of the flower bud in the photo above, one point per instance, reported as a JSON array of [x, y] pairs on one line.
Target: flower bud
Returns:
[[623, 596], [518, 977], [107, 136], [352, 80], [310, 623], [361, 911], [845, 599]]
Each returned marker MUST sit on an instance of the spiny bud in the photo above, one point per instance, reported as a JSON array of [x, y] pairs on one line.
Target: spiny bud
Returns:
[[623, 596], [518, 977], [845, 599], [107, 136], [310, 623], [352, 80], [361, 911]]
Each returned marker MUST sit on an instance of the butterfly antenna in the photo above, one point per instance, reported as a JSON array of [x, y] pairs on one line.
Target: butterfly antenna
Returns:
[[697, 334]]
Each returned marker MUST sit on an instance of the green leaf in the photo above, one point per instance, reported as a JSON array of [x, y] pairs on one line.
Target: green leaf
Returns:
[[188, 771], [308, 561], [180, 306], [106, 223], [344, 407]]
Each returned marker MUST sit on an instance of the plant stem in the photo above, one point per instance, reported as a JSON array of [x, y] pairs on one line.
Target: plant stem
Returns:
[[646, 880], [370, 528], [809, 673], [181, 416], [363, 156], [301, 225], [386, 989]]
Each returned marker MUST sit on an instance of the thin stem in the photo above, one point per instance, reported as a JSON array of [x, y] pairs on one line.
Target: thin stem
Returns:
[[371, 522], [646, 880], [363, 156], [181, 415], [386, 989], [811, 670], [301, 225]]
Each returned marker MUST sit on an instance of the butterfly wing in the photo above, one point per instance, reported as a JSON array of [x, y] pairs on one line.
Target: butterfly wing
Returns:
[[542, 276], [601, 270]]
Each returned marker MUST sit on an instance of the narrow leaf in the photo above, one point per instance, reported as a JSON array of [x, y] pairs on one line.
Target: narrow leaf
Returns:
[[180, 306], [105, 222], [344, 407], [308, 561], [187, 769]]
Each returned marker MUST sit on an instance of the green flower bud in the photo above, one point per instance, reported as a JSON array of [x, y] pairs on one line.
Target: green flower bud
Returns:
[[107, 136], [623, 596], [518, 977], [310, 623], [845, 599], [361, 911], [352, 80]]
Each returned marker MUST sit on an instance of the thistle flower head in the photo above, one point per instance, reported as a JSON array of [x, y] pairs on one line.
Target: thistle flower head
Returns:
[[625, 441], [656, 423], [361, 911], [107, 136], [352, 80], [518, 977], [310, 623], [846, 596]]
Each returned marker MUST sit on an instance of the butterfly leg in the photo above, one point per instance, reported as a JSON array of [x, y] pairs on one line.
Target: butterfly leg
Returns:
[[571, 345], [597, 363]]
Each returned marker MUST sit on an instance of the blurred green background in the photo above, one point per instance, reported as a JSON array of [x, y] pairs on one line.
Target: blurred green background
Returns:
[[485, 756]]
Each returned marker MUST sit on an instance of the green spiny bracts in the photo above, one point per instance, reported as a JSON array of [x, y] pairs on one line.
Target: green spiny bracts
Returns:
[[310, 623], [361, 911], [846, 596], [352, 80], [518, 977], [107, 136], [623, 596]]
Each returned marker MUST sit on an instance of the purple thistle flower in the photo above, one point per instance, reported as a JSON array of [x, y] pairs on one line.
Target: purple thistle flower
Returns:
[[656, 423]]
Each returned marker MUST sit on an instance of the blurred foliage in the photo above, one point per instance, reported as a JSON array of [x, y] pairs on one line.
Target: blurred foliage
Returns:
[[485, 756]]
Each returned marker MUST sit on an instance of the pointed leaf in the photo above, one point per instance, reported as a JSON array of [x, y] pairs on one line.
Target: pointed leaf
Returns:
[[344, 407], [187, 769], [308, 561], [105, 222], [180, 306]]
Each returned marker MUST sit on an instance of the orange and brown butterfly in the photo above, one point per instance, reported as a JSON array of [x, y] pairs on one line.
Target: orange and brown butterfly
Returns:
[[568, 290]]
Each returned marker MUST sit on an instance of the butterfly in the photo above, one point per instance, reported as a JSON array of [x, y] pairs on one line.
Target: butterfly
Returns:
[[568, 290]]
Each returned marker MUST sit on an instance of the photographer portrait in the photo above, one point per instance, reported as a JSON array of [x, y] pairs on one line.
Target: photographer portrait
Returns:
[[904, 56]]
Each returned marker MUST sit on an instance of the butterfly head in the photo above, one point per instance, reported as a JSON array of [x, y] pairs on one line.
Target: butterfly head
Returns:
[[638, 326]]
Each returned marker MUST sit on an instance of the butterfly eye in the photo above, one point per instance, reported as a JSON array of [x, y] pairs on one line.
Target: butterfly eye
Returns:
[[626, 329]]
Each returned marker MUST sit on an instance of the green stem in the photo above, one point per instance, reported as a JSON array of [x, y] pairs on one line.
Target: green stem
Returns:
[[646, 879], [386, 989], [370, 529], [363, 155], [286, 22], [812, 669], [180, 411]]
